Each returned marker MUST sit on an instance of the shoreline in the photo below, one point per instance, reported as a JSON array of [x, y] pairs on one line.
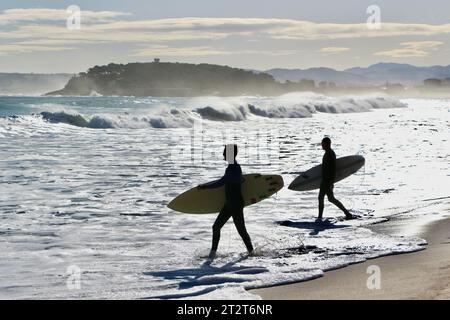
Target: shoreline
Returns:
[[423, 274]]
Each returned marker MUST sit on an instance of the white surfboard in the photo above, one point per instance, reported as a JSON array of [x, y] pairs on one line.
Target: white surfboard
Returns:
[[311, 179]]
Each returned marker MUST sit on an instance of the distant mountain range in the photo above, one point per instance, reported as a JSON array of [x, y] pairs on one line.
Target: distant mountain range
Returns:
[[376, 74], [32, 83]]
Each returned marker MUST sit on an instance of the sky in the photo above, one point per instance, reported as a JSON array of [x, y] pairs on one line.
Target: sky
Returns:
[[46, 37]]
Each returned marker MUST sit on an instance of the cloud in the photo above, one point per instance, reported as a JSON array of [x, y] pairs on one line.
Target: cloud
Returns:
[[422, 44], [188, 28], [272, 28], [47, 27], [182, 51], [417, 49], [333, 50], [45, 14], [13, 48], [94, 33], [203, 51]]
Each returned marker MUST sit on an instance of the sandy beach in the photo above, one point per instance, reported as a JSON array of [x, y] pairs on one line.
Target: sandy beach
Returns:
[[419, 275]]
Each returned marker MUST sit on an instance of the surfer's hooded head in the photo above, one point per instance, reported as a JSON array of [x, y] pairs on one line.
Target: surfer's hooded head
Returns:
[[230, 152], [326, 143]]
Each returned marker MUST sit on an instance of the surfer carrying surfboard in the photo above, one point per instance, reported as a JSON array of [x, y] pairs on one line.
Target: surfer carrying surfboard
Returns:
[[328, 178], [234, 203]]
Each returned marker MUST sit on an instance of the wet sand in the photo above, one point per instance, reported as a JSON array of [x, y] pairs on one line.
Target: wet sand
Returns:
[[419, 275]]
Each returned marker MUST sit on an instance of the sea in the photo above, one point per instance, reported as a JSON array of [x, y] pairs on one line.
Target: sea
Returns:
[[85, 182]]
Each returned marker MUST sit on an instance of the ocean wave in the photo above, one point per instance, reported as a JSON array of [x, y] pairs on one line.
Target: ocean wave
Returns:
[[217, 109], [171, 119], [232, 114]]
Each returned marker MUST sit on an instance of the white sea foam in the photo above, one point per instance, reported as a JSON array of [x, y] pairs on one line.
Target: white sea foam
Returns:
[[163, 115]]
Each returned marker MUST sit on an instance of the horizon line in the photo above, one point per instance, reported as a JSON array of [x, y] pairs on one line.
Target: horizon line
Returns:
[[225, 65]]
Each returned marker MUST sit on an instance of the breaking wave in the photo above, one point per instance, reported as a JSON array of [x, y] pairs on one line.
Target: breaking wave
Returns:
[[172, 119], [216, 109]]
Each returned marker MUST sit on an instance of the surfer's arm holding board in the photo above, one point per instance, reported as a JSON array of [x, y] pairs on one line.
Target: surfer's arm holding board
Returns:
[[213, 184], [233, 173]]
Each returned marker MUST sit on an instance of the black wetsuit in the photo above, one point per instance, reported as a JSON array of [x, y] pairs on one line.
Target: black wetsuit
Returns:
[[328, 168], [234, 205], [327, 184]]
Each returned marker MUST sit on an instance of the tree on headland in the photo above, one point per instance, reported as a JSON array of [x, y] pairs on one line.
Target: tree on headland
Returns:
[[170, 79]]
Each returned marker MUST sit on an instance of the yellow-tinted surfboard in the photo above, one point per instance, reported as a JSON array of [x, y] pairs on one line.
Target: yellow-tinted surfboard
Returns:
[[255, 188]]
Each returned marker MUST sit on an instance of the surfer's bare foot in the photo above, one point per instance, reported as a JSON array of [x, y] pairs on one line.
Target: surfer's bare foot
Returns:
[[256, 252]]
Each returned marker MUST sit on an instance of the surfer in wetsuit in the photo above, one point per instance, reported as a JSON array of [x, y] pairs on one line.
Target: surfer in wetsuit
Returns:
[[234, 203], [328, 177]]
